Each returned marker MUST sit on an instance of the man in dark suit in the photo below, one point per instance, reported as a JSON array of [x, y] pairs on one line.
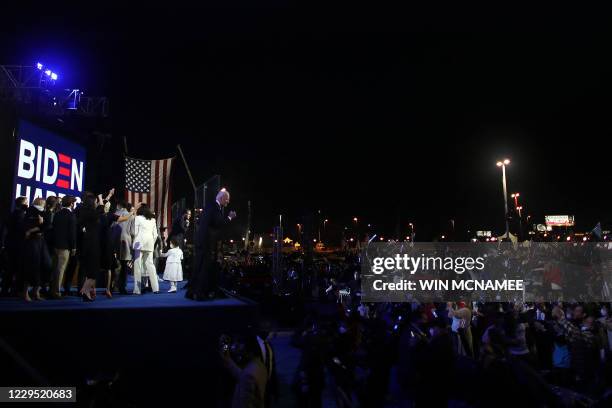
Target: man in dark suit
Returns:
[[204, 283], [180, 227], [64, 238]]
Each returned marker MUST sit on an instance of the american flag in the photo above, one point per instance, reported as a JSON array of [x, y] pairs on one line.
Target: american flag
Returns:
[[148, 181]]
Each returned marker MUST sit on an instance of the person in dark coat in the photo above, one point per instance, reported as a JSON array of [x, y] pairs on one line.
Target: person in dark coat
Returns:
[[36, 259], [12, 281], [89, 251], [108, 249], [180, 227], [51, 208], [204, 284], [73, 268]]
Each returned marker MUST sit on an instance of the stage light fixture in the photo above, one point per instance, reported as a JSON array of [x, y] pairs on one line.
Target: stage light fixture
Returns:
[[39, 65], [48, 72], [54, 76]]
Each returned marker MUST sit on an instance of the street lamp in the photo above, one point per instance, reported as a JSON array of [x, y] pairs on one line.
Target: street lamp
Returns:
[[324, 222], [503, 165], [515, 196]]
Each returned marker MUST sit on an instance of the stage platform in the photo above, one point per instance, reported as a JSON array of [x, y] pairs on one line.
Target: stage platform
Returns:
[[164, 347]]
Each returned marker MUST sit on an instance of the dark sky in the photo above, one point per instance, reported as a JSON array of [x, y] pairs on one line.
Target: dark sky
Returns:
[[383, 114]]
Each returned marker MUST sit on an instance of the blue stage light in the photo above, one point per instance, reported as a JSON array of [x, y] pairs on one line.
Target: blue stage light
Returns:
[[48, 72], [53, 76], [39, 65]]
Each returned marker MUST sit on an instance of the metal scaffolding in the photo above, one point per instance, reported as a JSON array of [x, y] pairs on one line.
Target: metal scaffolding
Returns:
[[27, 85]]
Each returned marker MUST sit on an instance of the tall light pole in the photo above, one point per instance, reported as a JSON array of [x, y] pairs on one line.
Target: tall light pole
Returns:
[[518, 209], [515, 196], [503, 165], [319, 225], [324, 222]]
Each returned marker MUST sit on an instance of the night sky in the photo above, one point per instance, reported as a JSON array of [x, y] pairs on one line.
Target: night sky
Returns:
[[388, 115]]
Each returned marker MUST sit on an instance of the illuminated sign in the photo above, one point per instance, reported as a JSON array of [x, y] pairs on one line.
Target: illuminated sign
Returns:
[[483, 233], [47, 164], [559, 220]]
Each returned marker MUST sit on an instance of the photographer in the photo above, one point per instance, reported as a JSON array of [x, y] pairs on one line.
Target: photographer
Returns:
[[242, 359]]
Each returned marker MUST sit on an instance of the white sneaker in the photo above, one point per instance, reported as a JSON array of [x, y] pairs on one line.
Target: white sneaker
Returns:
[[171, 290]]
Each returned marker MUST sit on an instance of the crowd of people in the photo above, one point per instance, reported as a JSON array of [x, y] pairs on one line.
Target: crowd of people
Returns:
[[52, 244], [433, 354], [494, 354], [468, 353]]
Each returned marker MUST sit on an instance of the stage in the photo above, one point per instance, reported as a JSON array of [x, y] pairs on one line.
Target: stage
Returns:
[[164, 347]]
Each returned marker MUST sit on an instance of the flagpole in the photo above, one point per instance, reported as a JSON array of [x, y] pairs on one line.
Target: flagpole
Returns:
[[187, 167]]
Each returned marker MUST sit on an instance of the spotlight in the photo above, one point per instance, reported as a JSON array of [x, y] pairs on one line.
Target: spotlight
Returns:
[[54, 76], [48, 72], [39, 65]]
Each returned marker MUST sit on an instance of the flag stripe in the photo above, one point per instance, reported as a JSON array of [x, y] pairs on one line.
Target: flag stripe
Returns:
[[160, 174], [153, 189], [166, 192]]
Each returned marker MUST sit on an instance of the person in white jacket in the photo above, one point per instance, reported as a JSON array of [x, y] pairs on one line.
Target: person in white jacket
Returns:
[[143, 243], [174, 268]]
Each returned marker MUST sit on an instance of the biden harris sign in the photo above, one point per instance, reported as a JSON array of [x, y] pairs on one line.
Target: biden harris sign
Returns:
[[47, 164]]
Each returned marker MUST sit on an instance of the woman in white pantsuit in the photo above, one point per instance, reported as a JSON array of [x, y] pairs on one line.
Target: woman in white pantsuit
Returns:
[[143, 243]]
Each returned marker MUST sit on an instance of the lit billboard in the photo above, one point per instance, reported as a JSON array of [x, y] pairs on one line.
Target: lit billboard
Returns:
[[559, 220], [47, 164]]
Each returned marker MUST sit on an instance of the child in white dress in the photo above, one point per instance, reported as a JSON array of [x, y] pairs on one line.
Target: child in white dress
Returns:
[[174, 269]]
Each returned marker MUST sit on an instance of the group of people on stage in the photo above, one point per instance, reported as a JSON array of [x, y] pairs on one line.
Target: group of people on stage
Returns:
[[47, 242]]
